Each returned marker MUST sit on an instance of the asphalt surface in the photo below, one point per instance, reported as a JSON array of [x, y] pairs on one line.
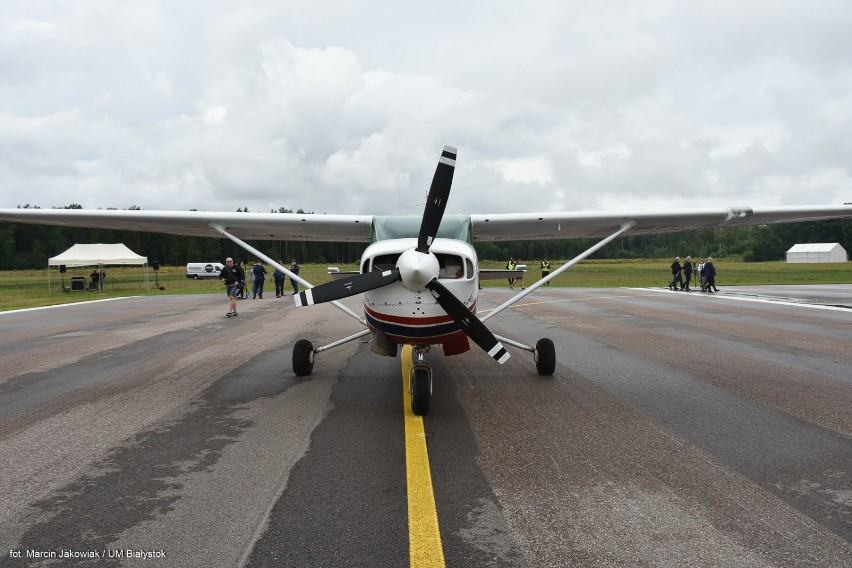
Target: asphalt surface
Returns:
[[679, 429]]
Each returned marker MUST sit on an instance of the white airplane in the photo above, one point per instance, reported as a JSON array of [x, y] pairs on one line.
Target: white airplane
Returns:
[[420, 277]]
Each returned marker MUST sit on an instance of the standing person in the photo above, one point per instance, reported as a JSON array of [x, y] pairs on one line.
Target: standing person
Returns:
[[511, 266], [231, 276], [258, 276], [294, 268], [710, 275], [545, 270], [278, 276], [687, 274], [241, 292], [701, 275], [676, 269]]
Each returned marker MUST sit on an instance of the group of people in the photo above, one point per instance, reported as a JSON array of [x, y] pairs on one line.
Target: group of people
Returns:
[[682, 275], [234, 278], [512, 264]]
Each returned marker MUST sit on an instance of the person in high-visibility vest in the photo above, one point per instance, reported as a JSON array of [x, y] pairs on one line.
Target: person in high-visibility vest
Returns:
[[545, 270], [511, 266]]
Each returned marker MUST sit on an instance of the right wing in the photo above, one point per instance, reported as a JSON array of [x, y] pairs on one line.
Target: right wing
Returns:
[[260, 226], [598, 224]]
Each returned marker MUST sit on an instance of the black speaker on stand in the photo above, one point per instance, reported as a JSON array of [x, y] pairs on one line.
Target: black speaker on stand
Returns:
[[62, 270], [156, 266]]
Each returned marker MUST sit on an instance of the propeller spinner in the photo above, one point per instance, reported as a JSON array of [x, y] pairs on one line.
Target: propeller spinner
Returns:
[[417, 268]]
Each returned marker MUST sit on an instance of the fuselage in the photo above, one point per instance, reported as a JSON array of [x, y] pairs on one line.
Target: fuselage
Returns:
[[409, 315]]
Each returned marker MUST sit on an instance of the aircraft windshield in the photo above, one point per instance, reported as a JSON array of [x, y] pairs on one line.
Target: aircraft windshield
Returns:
[[450, 266]]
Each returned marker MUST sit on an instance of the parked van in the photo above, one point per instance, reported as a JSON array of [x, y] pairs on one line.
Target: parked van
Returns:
[[196, 270]]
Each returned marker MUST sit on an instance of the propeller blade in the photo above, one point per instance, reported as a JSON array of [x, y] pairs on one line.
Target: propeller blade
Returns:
[[468, 321], [345, 287], [439, 192]]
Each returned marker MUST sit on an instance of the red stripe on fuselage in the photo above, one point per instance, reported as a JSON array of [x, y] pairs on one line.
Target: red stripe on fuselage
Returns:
[[451, 337], [409, 320]]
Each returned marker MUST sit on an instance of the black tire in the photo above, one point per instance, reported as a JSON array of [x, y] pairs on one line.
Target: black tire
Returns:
[[545, 356], [421, 392], [303, 358]]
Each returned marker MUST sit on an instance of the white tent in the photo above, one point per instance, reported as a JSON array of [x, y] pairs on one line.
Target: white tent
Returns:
[[99, 255], [817, 252]]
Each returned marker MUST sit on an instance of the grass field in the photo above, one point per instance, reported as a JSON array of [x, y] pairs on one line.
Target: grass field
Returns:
[[33, 288]]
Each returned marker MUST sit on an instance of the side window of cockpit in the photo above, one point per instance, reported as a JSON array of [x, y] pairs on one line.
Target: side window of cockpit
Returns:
[[469, 265], [385, 262], [450, 267]]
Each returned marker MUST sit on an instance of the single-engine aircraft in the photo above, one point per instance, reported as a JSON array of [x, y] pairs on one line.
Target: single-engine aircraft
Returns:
[[420, 277]]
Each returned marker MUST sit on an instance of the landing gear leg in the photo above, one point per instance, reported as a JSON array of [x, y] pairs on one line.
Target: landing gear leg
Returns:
[[304, 352], [420, 385], [544, 353]]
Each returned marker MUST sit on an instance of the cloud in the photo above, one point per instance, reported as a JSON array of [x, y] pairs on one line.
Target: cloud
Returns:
[[524, 170], [334, 108]]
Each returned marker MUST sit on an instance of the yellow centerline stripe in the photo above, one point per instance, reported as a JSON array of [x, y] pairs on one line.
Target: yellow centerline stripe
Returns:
[[424, 536]]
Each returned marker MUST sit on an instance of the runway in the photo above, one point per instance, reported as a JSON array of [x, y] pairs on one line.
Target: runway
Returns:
[[679, 429]]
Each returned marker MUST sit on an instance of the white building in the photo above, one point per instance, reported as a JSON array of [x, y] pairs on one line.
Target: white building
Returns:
[[817, 252]]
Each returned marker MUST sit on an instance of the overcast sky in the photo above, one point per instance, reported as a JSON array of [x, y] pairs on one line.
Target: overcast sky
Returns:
[[343, 106]]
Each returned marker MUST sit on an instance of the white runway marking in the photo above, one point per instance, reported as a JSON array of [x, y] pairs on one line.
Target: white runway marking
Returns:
[[86, 302], [745, 299]]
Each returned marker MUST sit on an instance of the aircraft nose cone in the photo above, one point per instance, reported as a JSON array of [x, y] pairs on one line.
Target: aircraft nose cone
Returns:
[[417, 269]]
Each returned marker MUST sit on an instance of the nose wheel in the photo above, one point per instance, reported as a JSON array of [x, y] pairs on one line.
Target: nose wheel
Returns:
[[420, 388]]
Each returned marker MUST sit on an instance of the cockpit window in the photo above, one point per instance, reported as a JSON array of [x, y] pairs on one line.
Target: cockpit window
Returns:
[[451, 266], [385, 262]]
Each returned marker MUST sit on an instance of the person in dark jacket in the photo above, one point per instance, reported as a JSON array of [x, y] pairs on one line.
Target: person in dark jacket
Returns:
[[676, 269], [687, 274], [241, 287], [279, 280], [294, 268], [231, 275], [710, 275], [258, 277]]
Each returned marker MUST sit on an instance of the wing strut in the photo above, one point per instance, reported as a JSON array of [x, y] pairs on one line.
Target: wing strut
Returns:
[[221, 230], [514, 299]]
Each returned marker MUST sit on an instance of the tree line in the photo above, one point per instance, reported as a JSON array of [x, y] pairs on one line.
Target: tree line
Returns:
[[27, 246]]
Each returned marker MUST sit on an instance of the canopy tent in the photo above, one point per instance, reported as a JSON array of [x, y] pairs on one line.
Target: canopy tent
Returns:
[[817, 252], [99, 255]]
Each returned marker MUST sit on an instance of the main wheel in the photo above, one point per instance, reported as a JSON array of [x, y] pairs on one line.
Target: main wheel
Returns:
[[545, 356], [421, 390], [303, 358]]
